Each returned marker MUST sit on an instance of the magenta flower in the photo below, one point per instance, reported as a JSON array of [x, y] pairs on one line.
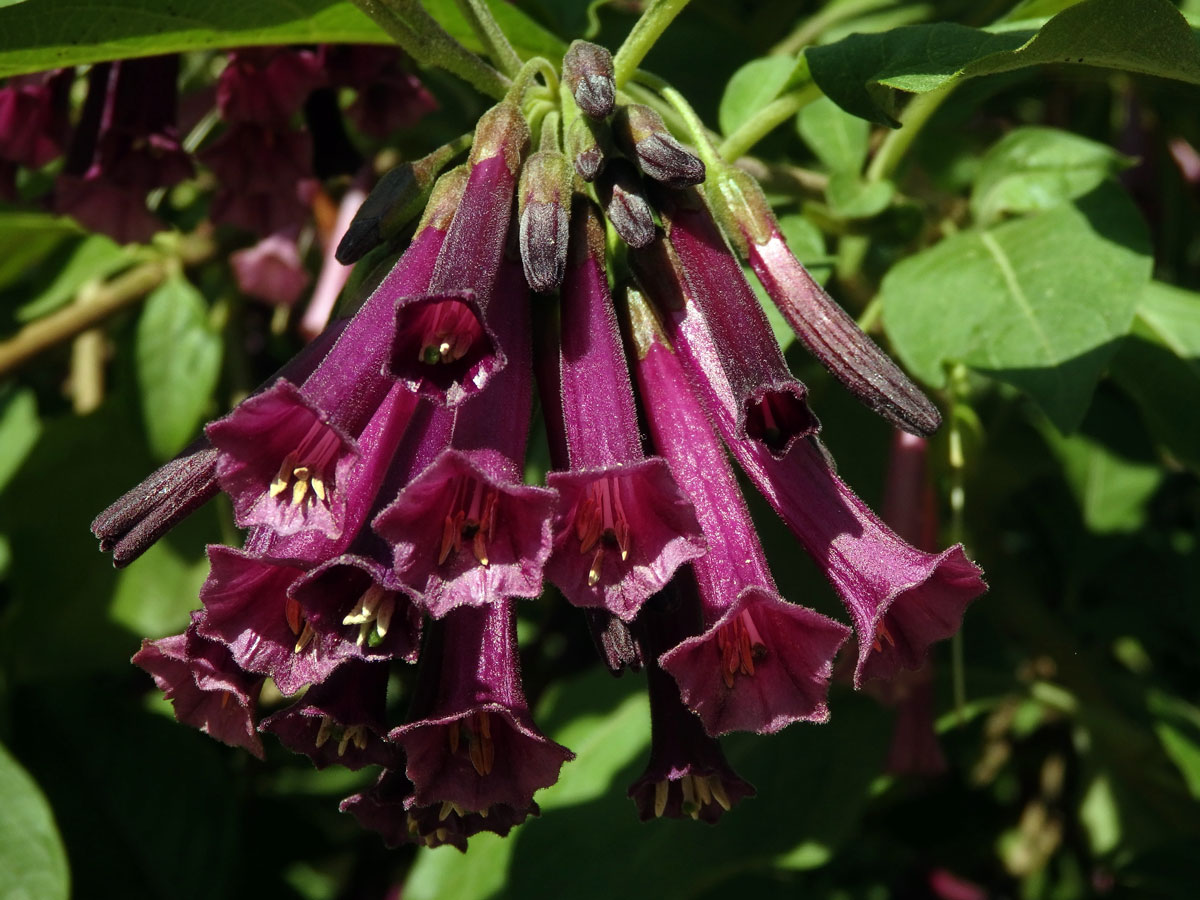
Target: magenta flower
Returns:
[[389, 96], [264, 175], [271, 270], [33, 117], [761, 663], [471, 742], [267, 85], [204, 684], [623, 526]]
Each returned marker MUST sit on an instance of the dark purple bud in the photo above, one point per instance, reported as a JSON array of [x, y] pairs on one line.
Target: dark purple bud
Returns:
[[544, 204], [614, 642], [397, 198], [831, 335], [587, 147], [587, 70], [642, 136], [620, 192]]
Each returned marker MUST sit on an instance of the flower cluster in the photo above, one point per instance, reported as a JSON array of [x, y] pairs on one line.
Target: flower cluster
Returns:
[[380, 478]]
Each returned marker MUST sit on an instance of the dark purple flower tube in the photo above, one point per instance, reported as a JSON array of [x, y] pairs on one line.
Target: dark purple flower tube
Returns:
[[389, 808], [263, 173], [33, 117], [623, 526], [205, 685], [339, 721], [719, 327], [901, 599], [267, 85], [471, 742], [687, 774], [389, 96], [820, 323], [466, 530], [762, 663], [445, 346]]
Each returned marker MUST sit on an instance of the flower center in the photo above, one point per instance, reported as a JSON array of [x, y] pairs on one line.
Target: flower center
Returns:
[[306, 469], [881, 631], [447, 330], [372, 614], [471, 519], [476, 732], [346, 735], [600, 524], [298, 623], [740, 646], [698, 792]]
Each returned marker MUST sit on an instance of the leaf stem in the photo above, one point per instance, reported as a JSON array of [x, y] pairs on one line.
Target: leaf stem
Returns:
[[487, 29], [817, 23], [422, 38], [103, 302], [646, 31], [918, 112], [767, 120]]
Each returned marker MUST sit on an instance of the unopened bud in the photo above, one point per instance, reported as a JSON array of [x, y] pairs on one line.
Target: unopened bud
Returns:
[[587, 147], [641, 135], [620, 191], [394, 202], [501, 130], [543, 210], [588, 71]]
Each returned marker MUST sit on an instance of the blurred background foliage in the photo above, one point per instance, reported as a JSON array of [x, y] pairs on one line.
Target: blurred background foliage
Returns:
[[1074, 751]]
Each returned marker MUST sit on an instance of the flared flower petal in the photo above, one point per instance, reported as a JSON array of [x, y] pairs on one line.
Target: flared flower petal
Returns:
[[339, 721], [205, 686], [466, 533], [473, 743]]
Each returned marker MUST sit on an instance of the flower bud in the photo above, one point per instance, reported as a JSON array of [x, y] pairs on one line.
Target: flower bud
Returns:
[[641, 135], [620, 190], [588, 71], [587, 148], [544, 200]]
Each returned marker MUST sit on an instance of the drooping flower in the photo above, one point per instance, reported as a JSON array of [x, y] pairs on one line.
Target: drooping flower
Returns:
[[762, 662], [266, 85], [471, 741], [204, 684], [389, 96], [271, 270], [33, 117], [623, 526]]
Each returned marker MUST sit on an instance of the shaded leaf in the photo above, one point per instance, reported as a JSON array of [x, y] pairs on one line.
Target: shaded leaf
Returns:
[[1039, 302], [19, 430], [92, 258], [178, 360], [155, 593], [27, 238], [852, 198], [837, 138], [33, 863]]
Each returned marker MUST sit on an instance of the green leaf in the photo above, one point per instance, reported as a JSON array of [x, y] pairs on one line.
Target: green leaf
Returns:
[[1150, 37], [1032, 169], [19, 430], [1039, 302], [1158, 365], [752, 87], [852, 198], [157, 591], [27, 238], [54, 33], [33, 863], [837, 138], [178, 361], [1036, 9], [92, 258]]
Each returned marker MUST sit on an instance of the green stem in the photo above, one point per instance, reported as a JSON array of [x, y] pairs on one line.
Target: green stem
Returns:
[[422, 38], [700, 135], [958, 502], [918, 112], [817, 24], [766, 120], [654, 21], [487, 29]]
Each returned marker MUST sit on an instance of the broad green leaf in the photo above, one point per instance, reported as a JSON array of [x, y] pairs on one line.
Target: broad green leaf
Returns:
[[93, 257], [1158, 365], [1036, 9], [752, 87], [1149, 37], [1034, 168], [19, 430], [27, 238], [1177, 724], [1039, 302], [852, 198], [178, 361], [837, 138], [53, 33], [1101, 815], [157, 591], [33, 863]]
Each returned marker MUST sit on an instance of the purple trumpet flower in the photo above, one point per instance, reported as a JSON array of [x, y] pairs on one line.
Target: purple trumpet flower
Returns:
[[263, 174], [466, 530], [267, 85], [339, 721], [623, 526], [821, 325], [34, 117], [762, 663], [471, 742], [445, 347], [204, 684], [901, 599], [389, 97], [287, 452], [709, 294], [687, 774], [271, 270], [388, 807]]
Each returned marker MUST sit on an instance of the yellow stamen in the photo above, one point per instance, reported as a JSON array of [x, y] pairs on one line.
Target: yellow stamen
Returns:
[[325, 732], [718, 792], [299, 489], [306, 637], [661, 790], [318, 487]]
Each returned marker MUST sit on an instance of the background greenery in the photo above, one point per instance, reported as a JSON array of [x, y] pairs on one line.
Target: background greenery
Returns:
[[1026, 245]]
